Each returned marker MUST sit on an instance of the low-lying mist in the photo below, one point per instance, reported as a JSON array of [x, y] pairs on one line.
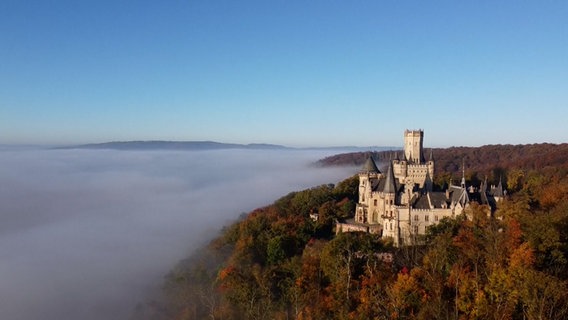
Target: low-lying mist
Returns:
[[88, 234]]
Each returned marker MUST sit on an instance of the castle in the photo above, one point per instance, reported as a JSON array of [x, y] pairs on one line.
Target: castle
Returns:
[[401, 203]]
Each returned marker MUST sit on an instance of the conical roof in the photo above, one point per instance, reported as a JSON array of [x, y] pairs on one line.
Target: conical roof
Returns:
[[428, 182], [390, 187], [370, 166]]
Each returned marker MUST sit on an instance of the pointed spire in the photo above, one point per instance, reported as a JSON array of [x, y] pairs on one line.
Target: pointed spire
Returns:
[[428, 184], [389, 182], [370, 166], [499, 190], [463, 174], [483, 191], [431, 156]]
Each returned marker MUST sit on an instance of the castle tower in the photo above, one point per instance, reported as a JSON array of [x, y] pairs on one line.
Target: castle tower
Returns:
[[389, 212], [430, 164], [367, 173], [498, 193], [389, 191], [413, 146]]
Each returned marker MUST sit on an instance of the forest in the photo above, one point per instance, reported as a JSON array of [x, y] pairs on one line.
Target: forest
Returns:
[[486, 161], [278, 263]]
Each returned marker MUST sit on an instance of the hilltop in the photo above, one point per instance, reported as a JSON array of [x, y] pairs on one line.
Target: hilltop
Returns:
[[205, 145], [174, 145], [277, 262]]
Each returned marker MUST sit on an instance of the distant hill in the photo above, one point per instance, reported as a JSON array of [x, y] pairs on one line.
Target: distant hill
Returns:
[[173, 145], [354, 149], [206, 145], [484, 160]]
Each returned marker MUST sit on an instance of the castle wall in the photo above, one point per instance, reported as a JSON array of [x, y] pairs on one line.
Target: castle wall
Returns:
[[421, 219], [413, 173], [357, 227], [373, 208]]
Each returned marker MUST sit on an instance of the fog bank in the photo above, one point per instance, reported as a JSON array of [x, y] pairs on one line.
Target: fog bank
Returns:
[[86, 234]]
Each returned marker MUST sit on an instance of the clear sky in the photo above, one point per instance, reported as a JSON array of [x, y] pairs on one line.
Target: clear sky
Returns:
[[298, 73]]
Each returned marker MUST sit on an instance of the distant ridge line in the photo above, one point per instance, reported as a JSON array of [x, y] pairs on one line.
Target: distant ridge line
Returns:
[[172, 145], [205, 145], [483, 160]]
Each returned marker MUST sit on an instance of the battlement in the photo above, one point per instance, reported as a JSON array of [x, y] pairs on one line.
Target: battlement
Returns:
[[415, 133]]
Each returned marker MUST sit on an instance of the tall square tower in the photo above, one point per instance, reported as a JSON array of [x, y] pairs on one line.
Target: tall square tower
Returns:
[[413, 146]]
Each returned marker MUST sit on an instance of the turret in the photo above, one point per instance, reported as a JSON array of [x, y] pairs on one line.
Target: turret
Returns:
[[368, 172], [389, 192], [498, 193], [431, 165], [403, 167]]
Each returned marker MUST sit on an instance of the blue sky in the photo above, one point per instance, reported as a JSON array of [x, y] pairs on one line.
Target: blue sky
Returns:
[[299, 73]]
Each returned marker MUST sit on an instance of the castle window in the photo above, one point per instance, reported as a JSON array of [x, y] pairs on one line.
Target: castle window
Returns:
[[415, 229], [391, 226], [426, 217], [435, 218], [375, 202], [415, 217]]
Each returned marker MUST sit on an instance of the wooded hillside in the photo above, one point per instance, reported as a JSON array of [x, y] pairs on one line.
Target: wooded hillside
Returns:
[[483, 160], [277, 263]]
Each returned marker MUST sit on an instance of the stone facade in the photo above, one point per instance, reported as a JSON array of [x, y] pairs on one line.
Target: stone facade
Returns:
[[401, 204]]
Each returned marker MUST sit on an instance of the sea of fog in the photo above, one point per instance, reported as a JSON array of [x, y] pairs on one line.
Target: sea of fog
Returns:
[[88, 234]]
